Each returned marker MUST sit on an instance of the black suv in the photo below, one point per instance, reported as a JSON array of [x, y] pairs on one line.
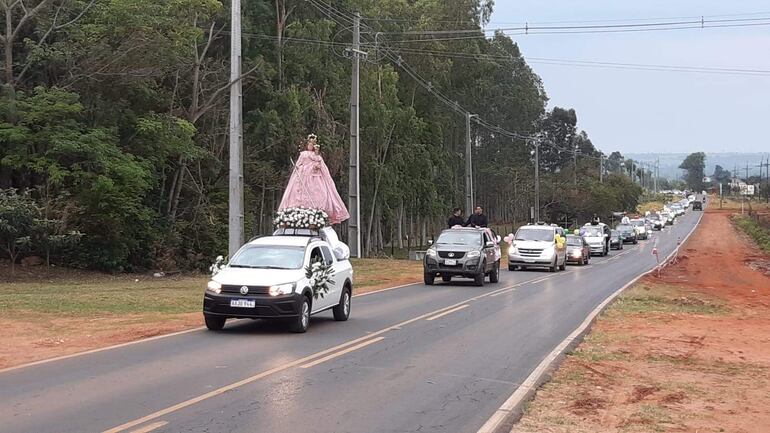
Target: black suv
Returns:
[[463, 252]]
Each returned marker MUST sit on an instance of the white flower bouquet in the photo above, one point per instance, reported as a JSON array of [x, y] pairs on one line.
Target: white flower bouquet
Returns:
[[319, 275], [301, 218], [218, 265]]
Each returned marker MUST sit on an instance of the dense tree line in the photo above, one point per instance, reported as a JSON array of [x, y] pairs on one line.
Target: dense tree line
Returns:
[[114, 119]]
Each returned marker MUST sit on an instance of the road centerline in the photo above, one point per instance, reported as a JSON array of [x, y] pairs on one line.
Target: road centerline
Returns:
[[437, 316], [342, 352]]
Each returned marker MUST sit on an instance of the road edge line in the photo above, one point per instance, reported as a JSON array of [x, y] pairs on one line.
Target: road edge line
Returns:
[[505, 417]]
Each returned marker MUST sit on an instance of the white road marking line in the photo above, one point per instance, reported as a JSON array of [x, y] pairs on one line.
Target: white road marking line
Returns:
[[437, 316], [342, 352], [150, 427], [498, 418], [386, 289]]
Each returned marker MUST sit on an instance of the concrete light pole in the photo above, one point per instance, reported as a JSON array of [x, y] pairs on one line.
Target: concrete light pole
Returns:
[[235, 217]]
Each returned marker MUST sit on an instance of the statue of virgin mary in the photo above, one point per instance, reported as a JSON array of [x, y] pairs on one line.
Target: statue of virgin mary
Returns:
[[311, 185]]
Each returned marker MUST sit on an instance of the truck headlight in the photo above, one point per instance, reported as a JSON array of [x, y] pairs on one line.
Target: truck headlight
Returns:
[[281, 289], [473, 254], [214, 287], [513, 251], [577, 253], [431, 252]]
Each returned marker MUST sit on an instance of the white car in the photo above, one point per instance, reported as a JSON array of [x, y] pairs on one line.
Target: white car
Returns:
[[641, 228], [535, 246], [598, 238], [266, 279]]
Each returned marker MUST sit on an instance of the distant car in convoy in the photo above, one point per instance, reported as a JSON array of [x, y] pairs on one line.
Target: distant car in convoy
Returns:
[[536, 246], [598, 237], [616, 240], [266, 279], [696, 205], [463, 252], [668, 217], [677, 209], [641, 227], [627, 233], [656, 221], [578, 251]]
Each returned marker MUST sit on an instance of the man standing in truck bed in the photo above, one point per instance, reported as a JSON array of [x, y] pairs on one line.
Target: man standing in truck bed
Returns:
[[456, 219], [478, 219]]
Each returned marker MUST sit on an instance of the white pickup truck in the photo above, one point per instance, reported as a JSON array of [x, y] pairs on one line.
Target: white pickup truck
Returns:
[[267, 279]]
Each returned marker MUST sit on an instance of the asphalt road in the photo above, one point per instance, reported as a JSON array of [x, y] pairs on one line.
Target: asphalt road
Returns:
[[418, 358]]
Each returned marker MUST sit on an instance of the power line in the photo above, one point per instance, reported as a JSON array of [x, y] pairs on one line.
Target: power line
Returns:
[[590, 63], [418, 20], [453, 105], [624, 26]]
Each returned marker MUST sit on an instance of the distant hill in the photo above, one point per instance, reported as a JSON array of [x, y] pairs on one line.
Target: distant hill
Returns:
[[669, 162]]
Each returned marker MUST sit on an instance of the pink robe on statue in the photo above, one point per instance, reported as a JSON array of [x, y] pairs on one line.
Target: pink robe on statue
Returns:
[[311, 186]]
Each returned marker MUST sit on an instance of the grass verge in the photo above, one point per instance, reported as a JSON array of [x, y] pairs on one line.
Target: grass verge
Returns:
[[99, 295], [757, 232]]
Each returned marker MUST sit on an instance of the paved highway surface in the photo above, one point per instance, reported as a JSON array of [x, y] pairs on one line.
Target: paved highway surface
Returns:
[[418, 358]]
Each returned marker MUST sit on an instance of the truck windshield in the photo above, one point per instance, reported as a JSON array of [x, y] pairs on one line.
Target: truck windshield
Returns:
[[269, 257], [593, 231], [470, 239], [526, 234], [625, 228]]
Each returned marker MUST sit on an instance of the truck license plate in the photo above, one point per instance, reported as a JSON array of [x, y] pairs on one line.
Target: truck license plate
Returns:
[[243, 303], [450, 262]]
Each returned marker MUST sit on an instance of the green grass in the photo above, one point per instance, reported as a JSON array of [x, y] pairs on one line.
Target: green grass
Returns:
[[98, 295], [103, 298], [661, 300], [751, 227]]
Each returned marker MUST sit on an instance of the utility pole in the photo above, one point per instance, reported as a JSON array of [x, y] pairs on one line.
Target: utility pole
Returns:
[[767, 178], [574, 161], [601, 167], [468, 165], [235, 217], [354, 181], [766, 166], [537, 181]]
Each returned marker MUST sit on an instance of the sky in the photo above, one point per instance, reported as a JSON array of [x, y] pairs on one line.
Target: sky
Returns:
[[651, 111]]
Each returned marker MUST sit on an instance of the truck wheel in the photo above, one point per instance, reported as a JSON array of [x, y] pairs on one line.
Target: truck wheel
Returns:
[[553, 267], [511, 268], [563, 265], [300, 323], [494, 276], [429, 279], [478, 279], [214, 323], [342, 310]]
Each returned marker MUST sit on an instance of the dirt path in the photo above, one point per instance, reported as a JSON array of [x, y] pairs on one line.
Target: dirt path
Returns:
[[687, 352]]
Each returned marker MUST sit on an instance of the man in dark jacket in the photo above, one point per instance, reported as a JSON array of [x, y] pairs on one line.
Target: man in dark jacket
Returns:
[[478, 219], [456, 219]]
